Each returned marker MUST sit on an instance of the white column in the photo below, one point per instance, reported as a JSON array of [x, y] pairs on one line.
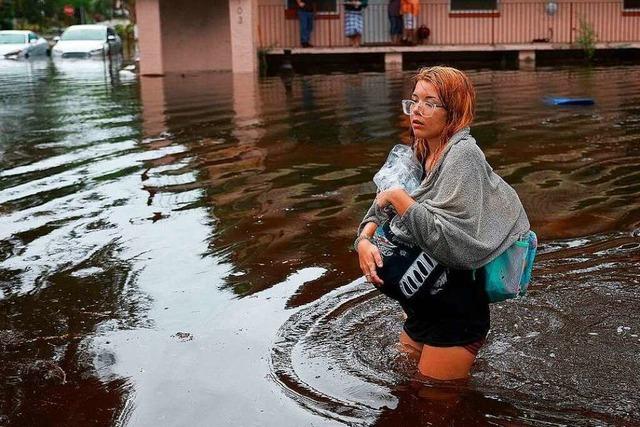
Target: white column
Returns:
[[527, 59], [149, 36], [393, 61], [243, 17]]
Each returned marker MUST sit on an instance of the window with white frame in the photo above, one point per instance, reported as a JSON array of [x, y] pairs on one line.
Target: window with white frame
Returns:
[[474, 5]]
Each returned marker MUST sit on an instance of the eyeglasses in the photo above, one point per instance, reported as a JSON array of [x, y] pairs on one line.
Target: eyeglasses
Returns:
[[409, 105]]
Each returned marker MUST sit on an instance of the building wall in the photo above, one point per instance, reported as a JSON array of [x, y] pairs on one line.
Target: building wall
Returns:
[[149, 36], [519, 21], [195, 35]]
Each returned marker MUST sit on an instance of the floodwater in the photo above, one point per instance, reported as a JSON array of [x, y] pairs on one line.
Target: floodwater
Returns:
[[176, 251]]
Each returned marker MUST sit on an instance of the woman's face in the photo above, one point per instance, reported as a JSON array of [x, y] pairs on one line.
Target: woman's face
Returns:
[[429, 128]]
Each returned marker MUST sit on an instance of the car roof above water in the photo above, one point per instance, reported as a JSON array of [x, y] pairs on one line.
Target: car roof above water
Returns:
[[15, 31], [92, 26]]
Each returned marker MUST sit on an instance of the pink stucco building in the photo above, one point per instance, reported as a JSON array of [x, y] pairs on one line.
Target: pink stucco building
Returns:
[[195, 35]]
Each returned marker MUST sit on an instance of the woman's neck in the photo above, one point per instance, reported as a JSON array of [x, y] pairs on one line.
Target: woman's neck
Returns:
[[433, 145]]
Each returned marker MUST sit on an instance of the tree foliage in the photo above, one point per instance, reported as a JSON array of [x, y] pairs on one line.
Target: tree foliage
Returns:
[[46, 12]]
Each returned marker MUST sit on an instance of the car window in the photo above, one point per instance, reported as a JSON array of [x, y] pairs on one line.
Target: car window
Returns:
[[110, 32], [11, 38], [33, 36], [83, 33]]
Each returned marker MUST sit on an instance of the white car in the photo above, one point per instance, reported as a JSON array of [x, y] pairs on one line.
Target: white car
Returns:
[[86, 41], [16, 44]]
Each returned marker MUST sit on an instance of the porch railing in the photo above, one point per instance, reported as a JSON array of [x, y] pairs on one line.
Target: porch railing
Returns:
[[517, 22]]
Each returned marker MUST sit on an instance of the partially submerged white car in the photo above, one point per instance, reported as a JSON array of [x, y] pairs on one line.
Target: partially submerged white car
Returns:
[[17, 44], [86, 41]]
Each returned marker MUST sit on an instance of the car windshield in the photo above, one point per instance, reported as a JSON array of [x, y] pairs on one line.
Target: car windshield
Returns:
[[85, 34], [11, 38]]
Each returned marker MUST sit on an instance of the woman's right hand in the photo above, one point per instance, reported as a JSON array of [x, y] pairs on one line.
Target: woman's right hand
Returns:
[[369, 258]]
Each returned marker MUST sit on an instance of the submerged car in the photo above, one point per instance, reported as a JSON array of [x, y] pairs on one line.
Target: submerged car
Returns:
[[15, 44], [85, 41]]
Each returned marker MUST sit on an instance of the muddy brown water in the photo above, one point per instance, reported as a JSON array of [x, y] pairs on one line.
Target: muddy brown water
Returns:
[[175, 251]]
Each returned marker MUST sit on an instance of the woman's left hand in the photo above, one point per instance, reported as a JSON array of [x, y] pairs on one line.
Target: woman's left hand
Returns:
[[396, 197], [383, 199]]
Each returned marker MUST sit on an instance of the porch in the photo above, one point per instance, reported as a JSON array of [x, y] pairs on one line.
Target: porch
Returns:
[[503, 23]]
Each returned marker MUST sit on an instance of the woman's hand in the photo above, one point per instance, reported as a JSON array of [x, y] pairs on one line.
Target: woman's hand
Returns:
[[397, 197], [369, 258], [383, 199]]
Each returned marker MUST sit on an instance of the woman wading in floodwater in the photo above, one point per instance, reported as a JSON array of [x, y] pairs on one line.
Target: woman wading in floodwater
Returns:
[[461, 217]]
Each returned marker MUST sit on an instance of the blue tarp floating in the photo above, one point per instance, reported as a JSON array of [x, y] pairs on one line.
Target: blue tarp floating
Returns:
[[569, 101]]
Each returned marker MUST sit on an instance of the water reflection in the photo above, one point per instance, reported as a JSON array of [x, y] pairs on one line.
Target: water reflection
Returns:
[[279, 173], [293, 164], [64, 270]]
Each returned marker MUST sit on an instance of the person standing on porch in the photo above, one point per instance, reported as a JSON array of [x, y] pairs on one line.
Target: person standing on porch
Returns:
[[410, 10], [306, 9], [353, 20], [395, 21]]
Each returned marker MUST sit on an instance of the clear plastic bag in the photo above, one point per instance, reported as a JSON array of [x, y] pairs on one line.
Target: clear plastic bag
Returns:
[[401, 170]]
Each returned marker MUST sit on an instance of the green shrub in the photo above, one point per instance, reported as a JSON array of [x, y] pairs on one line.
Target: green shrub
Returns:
[[587, 38]]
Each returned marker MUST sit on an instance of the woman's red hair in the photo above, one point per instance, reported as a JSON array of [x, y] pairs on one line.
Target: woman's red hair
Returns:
[[457, 94]]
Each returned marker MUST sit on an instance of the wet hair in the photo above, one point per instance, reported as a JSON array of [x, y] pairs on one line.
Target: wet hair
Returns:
[[457, 94]]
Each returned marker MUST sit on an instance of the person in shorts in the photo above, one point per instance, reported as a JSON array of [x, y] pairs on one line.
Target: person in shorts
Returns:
[[354, 21], [410, 10], [427, 248]]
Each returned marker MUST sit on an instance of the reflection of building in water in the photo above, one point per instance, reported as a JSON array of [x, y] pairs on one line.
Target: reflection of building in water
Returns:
[[287, 176]]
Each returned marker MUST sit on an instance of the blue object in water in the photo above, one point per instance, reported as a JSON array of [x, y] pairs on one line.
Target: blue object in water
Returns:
[[570, 101]]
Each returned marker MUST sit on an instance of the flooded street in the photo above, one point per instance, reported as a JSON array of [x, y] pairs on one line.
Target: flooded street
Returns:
[[176, 251]]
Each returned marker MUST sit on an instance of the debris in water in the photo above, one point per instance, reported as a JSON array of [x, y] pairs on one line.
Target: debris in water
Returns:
[[183, 336]]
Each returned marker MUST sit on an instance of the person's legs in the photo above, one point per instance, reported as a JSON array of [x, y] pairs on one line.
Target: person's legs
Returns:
[[309, 25], [409, 21], [350, 26], [303, 27], [359, 27], [445, 363], [306, 23], [395, 28]]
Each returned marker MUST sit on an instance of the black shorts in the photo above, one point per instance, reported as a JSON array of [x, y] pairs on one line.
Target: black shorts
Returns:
[[449, 308], [456, 314]]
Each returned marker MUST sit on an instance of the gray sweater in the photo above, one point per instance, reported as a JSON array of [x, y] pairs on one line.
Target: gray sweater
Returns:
[[465, 215]]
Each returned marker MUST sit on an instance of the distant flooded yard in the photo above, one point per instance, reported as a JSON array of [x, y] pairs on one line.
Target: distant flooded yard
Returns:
[[176, 250]]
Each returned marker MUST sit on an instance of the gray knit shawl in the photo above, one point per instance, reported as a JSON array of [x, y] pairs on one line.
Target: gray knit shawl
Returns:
[[465, 215]]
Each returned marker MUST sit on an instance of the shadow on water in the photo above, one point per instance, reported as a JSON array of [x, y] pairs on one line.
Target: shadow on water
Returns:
[[207, 219]]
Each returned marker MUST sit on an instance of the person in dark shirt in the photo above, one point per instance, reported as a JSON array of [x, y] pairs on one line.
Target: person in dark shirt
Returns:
[[306, 9], [395, 21]]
